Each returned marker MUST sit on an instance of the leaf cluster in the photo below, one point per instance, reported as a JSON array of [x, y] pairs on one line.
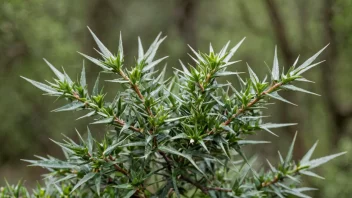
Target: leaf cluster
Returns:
[[179, 136]]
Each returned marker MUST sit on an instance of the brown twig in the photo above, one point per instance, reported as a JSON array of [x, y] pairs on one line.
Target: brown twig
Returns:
[[200, 187], [220, 189], [117, 167], [241, 110], [167, 160]]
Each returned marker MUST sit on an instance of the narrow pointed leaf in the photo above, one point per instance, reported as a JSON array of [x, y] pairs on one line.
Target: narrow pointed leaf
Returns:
[[87, 115], [83, 77], [60, 75], [41, 86], [96, 86], [278, 97], [275, 73], [69, 107], [96, 61], [101, 46], [51, 164], [140, 50], [309, 173], [307, 68], [90, 141], [294, 88], [120, 48], [130, 193], [252, 75], [85, 179], [175, 152], [290, 150], [104, 121], [200, 58], [311, 59], [244, 142], [224, 49], [233, 51], [317, 162], [309, 154], [153, 64]]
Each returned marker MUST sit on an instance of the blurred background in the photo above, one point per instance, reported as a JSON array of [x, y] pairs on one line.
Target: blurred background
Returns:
[[33, 29]]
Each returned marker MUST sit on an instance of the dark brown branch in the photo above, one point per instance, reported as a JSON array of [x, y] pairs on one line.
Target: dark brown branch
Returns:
[[167, 160], [196, 184], [185, 17], [246, 18], [279, 30], [117, 167], [340, 115]]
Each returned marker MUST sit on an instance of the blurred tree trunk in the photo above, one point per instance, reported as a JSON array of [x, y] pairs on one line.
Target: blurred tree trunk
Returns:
[[101, 15], [339, 115], [286, 113], [185, 18]]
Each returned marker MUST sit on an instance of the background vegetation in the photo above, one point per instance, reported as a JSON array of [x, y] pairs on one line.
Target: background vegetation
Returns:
[[33, 29]]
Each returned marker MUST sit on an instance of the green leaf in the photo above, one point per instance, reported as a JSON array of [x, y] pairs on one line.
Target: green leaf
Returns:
[[223, 50], [97, 183], [175, 152], [179, 136], [200, 58], [70, 107], [124, 186], [130, 193], [290, 150], [59, 75], [96, 61], [233, 51], [89, 141], [83, 77], [51, 164], [244, 142], [140, 51], [311, 59], [153, 64], [308, 68], [185, 70], [86, 178], [42, 86], [107, 120], [153, 48], [101, 46], [174, 182], [67, 177], [317, 162], [275, 73], [175, 119], [275, 125], [134, 144], [252, 75], [278, 97], [203, 145], [296, 61], [273, 169], [96, 86], [294, 88], [120, 48], [87, 115], [309, 173], [114, 146], [309, 154], [226, 73]]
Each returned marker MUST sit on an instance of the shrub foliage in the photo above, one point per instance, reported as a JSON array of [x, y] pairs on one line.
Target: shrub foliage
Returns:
[[179, 136]]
